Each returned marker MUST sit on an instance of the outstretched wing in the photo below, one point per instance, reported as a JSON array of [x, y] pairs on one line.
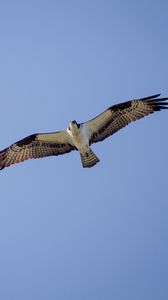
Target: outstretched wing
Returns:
[[120, 115], [36, 146]]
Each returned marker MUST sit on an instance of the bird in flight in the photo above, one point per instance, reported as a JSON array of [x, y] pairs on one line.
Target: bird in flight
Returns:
[[81, 136]]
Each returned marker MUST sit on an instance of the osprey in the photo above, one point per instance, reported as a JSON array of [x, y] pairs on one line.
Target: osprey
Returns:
[[81, 136]]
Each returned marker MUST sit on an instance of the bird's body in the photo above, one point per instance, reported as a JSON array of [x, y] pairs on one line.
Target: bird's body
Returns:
[[81, 136]]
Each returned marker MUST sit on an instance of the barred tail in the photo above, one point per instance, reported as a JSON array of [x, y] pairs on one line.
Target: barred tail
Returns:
[[89, 159]]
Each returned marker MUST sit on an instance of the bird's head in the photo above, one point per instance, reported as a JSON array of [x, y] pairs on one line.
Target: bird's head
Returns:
[[74, 125]]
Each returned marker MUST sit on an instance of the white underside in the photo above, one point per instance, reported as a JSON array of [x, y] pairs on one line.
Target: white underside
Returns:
[[79, 137]]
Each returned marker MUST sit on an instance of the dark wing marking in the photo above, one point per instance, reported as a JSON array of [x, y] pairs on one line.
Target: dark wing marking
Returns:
[[36, 146], [120, 115]]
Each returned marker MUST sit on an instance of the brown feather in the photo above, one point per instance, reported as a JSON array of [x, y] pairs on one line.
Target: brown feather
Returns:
[[35, 146], [120, 115]]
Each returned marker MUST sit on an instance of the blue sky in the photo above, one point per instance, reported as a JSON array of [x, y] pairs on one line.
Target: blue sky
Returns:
[[68, 232]]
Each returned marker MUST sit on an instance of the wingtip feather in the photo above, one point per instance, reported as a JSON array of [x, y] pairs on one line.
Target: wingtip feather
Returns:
[[151, 97]]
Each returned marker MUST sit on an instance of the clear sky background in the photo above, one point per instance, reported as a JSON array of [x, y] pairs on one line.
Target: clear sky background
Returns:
[[68, 232]]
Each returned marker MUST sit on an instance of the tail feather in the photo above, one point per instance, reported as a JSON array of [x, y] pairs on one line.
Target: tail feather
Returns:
[[89, 159]]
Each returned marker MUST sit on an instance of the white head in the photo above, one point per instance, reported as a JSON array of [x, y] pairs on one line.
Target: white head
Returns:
[[73, 125]]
